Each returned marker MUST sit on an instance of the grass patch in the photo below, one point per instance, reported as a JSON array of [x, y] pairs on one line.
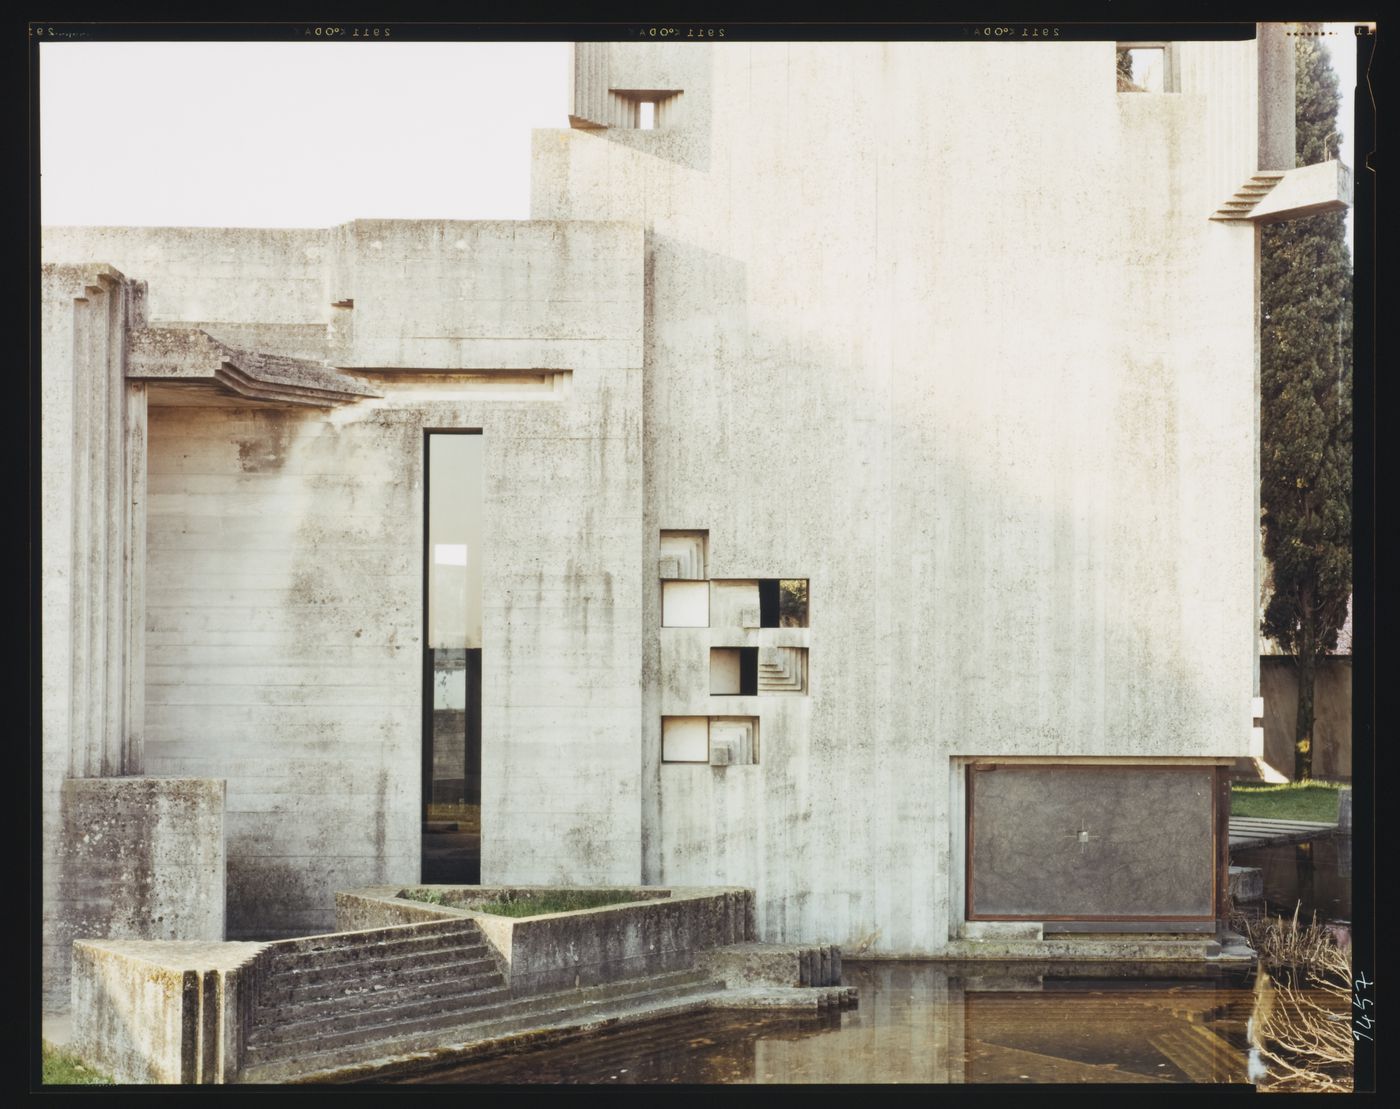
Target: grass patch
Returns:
[[63, 1068], [1315, 801], [522, 903], [431, 897], [560, 901]]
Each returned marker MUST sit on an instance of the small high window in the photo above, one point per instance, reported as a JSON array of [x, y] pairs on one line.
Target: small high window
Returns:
[[643, 109], [1145, 67]]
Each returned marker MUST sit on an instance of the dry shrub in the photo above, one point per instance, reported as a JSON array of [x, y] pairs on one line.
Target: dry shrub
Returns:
[[1301, 1025]]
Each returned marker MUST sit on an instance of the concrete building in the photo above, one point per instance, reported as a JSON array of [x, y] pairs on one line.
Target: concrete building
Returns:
[[858, 502]]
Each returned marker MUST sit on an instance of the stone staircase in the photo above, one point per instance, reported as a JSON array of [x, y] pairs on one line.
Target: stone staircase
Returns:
[[416, 1036], [326, 993], [1247, 196], [348, 1005]]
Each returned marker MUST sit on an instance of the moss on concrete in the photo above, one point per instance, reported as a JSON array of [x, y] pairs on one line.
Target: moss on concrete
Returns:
[[63, 1068]]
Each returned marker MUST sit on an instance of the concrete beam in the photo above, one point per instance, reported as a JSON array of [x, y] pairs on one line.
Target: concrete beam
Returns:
[[1306, 191]]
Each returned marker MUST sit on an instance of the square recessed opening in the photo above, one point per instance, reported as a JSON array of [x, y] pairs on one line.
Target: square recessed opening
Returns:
[[733, 671], [733, 740], [782, 602], [782, 670], [685, 604], [682, 554], [685, 739], [1142, 68], [643, 109]]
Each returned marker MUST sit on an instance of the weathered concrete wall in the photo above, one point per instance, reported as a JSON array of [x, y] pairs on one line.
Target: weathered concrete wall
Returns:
[[985, 377], [486, 295], [1278, 681], [135, 858], [263, 289], [285, 548]]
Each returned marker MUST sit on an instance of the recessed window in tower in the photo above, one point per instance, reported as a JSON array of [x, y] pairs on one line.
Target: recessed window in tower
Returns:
[[452, 660], [646, 115]]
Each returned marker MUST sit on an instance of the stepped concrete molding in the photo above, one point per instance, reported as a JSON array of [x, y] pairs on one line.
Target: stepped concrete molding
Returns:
[[1241, 205], [682, 555], [190, 355], [436, 983], [782, 669]]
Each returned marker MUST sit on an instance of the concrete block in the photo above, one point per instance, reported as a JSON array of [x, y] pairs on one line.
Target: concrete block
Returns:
[[161, 1012], [1246, 883], [143, 858]]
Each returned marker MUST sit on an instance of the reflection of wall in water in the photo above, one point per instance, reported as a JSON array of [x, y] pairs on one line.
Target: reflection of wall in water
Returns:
[[908, 1028]]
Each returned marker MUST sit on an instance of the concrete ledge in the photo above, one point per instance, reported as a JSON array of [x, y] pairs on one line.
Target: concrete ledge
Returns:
[[1087, 947], [1002, 930], [746, 965]]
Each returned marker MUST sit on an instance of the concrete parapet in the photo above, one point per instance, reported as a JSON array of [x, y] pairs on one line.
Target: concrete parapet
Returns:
[[662, 931]]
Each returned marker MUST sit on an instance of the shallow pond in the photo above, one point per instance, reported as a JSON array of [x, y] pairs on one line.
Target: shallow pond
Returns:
[[1316, 875], [932, 1023]]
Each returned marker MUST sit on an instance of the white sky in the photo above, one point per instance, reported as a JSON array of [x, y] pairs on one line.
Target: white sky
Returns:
[[240, 134], [313, 134]]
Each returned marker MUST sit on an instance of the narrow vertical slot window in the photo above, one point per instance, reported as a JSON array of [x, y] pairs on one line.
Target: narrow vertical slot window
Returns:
[[646, 115], [452, 659]]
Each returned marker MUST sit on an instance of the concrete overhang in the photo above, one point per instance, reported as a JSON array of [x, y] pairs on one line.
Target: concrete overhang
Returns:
[[192, 356], [1306, 191]]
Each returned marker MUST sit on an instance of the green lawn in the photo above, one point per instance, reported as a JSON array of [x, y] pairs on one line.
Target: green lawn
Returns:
[[63, 1068], [1289, 801]]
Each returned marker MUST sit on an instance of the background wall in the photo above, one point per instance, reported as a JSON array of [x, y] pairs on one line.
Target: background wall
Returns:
[[945, 329]]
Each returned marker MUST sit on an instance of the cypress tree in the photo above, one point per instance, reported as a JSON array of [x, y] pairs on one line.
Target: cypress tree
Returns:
[[1305, 410]]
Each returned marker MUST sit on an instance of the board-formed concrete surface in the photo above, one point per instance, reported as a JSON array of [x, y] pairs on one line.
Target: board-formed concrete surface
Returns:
[[453, 983], [949, 333]]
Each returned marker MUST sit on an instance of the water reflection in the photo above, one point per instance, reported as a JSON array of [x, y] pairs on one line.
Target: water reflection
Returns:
[[935, 1023], [1316, 873]]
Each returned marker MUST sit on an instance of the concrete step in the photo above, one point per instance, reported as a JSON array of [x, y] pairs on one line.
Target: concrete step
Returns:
[[320, 985], [325, 1025], [375, 996], [369, 937], [281, 962], [274, 1063]]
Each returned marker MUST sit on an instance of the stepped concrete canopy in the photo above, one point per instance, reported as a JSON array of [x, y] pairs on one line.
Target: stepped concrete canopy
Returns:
[[884, 415]]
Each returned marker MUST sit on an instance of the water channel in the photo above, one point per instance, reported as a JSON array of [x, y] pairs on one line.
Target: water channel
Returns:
[[932, 1023], [949, 1023]]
